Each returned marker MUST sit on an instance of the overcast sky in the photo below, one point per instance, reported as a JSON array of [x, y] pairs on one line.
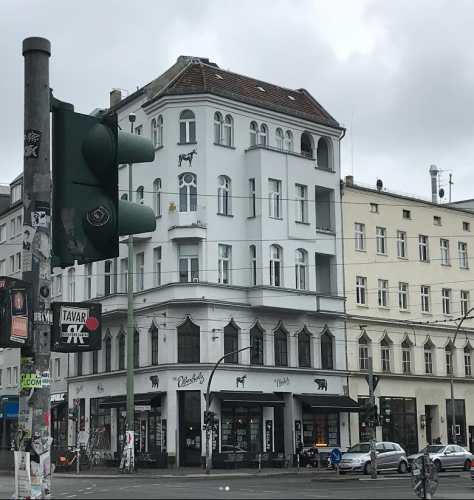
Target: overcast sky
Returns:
[[402, 72]]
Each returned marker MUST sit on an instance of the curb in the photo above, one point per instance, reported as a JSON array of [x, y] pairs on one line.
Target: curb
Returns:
[[334, 479]]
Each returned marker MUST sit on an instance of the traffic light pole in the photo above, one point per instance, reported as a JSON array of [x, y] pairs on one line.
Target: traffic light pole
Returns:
[[35, 403], [373, 435]]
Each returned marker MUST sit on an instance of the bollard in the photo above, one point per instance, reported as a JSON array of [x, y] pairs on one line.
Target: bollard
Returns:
[[298, 461], [260, 462]]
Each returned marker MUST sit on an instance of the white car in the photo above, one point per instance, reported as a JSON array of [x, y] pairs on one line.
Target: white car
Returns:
[[390, 456]]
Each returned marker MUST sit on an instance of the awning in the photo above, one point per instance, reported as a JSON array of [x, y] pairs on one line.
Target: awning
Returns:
[[329, 403], [146, 399], [249, 398]]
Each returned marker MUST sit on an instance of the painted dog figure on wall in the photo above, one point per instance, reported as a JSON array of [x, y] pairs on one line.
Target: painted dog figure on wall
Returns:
[[322, 384], [155, 381], [187, 157], [240, 380]]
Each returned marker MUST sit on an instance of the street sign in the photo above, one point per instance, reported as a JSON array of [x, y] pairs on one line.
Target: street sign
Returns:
[[78, 401], [376, 380], [336, 456], [142, 407]]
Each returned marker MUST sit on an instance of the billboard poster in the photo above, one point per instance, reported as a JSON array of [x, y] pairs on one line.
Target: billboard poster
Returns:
[[22, 474], [15, 315]]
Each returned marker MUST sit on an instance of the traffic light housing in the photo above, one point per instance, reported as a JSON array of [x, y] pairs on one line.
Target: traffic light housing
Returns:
[[210, 418], [373, 412], [73, 414], [385, 410], [364, 413], [87, 215]]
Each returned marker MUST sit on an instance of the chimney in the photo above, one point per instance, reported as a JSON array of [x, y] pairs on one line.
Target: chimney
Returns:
[[349, 179], [115, 97], [434, 183]]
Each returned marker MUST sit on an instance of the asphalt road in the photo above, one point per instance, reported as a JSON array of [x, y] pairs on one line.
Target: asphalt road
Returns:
[[293, 487]]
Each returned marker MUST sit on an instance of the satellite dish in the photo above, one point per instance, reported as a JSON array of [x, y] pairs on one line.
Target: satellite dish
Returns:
[[379, 184], [441, 193]]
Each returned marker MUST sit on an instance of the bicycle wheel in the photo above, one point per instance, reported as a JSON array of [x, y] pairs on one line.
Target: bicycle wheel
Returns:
[[96, 460]]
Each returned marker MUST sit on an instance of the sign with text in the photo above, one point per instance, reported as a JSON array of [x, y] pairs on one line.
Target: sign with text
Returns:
[[77, 327], [16, 316]]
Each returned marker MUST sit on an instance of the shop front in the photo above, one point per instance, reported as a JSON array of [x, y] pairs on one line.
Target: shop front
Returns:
[[8, 421], [59, 420]]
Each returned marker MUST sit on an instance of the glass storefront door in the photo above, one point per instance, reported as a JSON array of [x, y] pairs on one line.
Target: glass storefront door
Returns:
[[190, 428], [402, 428], [242, 427]]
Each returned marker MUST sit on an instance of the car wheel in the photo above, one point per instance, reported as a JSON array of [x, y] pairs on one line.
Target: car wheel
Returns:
[[367, 468], [438, 466], [467, 465], [402, 468]]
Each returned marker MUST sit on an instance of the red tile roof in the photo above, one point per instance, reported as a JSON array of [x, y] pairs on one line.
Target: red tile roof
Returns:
[[204, 78]]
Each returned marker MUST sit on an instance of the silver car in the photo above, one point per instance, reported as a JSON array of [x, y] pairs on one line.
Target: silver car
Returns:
[[446, 456], [390, 456]]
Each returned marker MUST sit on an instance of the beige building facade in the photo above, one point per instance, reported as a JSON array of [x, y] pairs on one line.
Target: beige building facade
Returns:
[[408, 281]]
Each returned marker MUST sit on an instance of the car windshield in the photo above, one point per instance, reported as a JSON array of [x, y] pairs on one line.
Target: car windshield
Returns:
[[359, 448], [432, 449]]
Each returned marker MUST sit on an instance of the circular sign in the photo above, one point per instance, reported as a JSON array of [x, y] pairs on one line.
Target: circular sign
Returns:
[[336, 456], [92, 323]]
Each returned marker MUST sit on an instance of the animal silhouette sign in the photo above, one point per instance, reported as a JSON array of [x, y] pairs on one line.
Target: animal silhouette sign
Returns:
[[240, 380], [187, 157], [322, 384], [155, 381]]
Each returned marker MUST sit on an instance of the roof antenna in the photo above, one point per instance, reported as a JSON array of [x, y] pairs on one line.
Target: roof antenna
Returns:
[[450, 184]]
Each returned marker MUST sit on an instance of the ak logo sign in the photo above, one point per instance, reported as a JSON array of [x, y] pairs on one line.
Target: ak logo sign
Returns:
[[77, 327]]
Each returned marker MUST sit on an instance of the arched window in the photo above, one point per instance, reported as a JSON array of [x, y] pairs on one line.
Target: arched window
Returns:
[[281, 347], [189, 343], [217, 128], [231, 343], [306, 145], [385, 355], [304, 349], [140, 195], [253, 133], [256, 335], [187, 192], [288, 141], [124, 197], [157, 197], [187, 127], [228, 131], [108, 354], [159, 132], [300, 269], [121, 355], [223, 195], [71, 278], [428, 358], [323, 159], [363, 353], [327, 362], [279, 138], [154, 132], [275, 265], [263, 135], [136, 349], [154, 346], [253, 264], [406, 357]]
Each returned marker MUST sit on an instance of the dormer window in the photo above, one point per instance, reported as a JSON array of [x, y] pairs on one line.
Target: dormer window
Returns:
[[15, 193]]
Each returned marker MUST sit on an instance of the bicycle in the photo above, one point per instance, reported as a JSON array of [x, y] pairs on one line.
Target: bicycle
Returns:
[[66, 462]]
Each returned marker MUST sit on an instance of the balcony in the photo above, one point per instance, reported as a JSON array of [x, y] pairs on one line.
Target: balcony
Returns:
[[187, 223]]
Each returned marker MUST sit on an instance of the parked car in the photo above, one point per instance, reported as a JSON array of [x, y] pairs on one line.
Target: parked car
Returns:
[[472, 470], [446, 456], [232, 449], [390, 456]]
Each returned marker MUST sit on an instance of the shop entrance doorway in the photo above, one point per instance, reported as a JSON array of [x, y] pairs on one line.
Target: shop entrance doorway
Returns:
[[189, 428]]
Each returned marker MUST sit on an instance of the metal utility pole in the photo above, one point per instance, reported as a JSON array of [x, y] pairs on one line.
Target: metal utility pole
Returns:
[[450, 184], [35, 404], [130, 322], [373, 437]]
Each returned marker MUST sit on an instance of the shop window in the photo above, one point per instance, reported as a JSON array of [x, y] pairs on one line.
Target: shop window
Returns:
[[100, 419], [402, 428], [321, 429], [231, 343], [304, 349], [242, 427], [188, 343], [460, 407]]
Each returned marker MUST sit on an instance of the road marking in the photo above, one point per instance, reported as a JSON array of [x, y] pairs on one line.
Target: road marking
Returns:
[[137, 486], [71, 496], [245, 489], [88, 493], [109, 490], [276, 492]]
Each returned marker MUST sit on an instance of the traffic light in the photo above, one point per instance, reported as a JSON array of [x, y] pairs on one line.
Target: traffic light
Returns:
[[364, 413], [207, 417], [373, 412], [73, 413], [87, 215], [385, 410]]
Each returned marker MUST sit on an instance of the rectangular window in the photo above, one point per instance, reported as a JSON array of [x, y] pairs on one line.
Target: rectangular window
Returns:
[[18, 225], [252, 199], [403, 296], [446, 294], [95, 361], [57, 368], [374, 208], [464, 302], [383, 293], [380, 234], [359, 232], [360, 290], [449, 361], [253, 264], [3, 233], [157, 270], [224, 264], [423, 240], [9, 377], [59, 285], [406, 360], [301, 202], [321, 429], [444, 248], [385, 359], [274, 198], [187, 131], [401, 244], [363, 357], [188, 264], [18, 261], [88, 281], [437, 220], [80, 363], [124, 270], [15, 376], [107, 277], [1, 377], [140, 263], [3, 266], [425, 299], [406, 214], [12, 264], [467, 365], [428, 361], [466, 226], [72, 284], [12, 228], [462, 250]]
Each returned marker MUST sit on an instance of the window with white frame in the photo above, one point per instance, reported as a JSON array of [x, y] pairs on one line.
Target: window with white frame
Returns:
[[12, 228], [423, 247], [403, 296], [223, 195], [462, 251], [157, 197], [449, 359], [71, 283], [464, 302], [401, 244], [374, 208], [253, 134], [300, 269], [406, 357], [12, 264], [425, 299], [288, 141], [227, 131], [444, 248], [157, 131], [3, 266], [187, 127], [217, 128], [157, 265], [15, 376], [363, 354], [224, 256], [140, 271], [361, 296], [253, 264], [301, 203], [279, 138], [446, 295], [15, 193], [53, 284], [359, 234], [274, 198], [3, 233], [252, 199], [187, 192], [428, 358], [140, 195], [88, 281], [9, 377], [275, 265], [108, 277], [124, 272], [383, 293], [380, 238], [263, 135], [385, 355], [19, 225], [188, 263], [466, 226], [58, 285], [467, 362]]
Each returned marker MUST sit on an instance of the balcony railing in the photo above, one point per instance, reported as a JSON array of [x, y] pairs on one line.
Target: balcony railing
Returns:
[[188, 216]]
